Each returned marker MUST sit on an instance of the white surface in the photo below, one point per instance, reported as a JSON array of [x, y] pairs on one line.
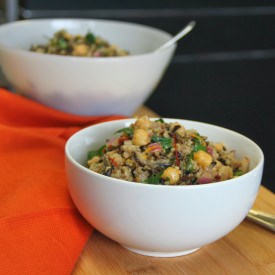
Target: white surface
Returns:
[[81, 85], [159, 220]]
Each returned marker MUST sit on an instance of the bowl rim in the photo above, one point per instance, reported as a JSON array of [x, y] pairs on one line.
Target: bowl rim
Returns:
[[157, 186], [88, 59]]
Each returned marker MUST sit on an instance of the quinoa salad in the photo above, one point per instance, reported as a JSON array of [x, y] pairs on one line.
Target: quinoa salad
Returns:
[[89, 45], [156, 152]]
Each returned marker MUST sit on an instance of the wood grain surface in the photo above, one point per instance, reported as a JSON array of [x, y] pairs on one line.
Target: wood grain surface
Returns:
[[249, 249]]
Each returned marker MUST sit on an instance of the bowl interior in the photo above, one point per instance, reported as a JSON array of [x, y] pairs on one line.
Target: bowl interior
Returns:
[[93, 137], [136, 38]]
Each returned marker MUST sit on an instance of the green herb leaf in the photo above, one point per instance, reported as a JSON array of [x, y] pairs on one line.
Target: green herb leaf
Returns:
[[154, 179], [189, 164], [160, 120], [99, 152], [128, 131], [90, 38], [166, 143], [238, 173], [62, 43], [199, 146]]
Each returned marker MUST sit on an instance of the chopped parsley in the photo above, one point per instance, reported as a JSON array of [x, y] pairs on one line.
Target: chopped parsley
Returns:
[[128, 131], [166, 143], [154, 179], [99, 152], [62, 43], [90, 38], [161, 120]]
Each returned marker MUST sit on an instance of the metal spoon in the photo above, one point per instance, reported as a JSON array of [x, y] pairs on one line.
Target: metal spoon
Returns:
[[265, 219], [188, 28]]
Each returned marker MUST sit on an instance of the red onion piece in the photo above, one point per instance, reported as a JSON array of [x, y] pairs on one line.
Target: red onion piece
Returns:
[[204, 180]]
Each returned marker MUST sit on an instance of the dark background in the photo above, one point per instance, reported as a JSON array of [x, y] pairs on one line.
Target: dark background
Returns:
[[223, 72]]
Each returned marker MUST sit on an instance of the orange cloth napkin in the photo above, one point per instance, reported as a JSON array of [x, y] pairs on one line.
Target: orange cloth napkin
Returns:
[[41, 232]]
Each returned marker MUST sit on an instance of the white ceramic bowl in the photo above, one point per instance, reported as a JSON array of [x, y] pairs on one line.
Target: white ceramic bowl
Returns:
[[81, 85], [158, 220]]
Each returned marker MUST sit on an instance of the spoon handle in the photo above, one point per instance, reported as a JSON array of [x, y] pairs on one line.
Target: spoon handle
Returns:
[[262, 218], [189, 27]]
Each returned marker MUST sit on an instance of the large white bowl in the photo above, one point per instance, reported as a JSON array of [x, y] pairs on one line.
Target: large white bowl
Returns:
[[158, 220], [81, 85]]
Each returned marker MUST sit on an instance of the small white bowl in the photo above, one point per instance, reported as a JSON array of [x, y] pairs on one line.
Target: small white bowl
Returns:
[[158, 220], [83, 85]]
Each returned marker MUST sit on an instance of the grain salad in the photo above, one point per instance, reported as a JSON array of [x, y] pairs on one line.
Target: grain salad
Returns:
[[155, 152], [88, 45]]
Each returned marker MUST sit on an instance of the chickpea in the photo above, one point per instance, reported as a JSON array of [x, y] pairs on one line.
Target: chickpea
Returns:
[[202, 158], [40, 50], [219, 146], [140, 137], [80, 50], [181, 131], [143, 123], [245, 165], [67, 35], [177, 128], [172, 174], [225, 172]]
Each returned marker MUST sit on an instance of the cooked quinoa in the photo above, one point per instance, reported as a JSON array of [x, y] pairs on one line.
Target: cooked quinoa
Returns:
[[156, 152], [89, 45]]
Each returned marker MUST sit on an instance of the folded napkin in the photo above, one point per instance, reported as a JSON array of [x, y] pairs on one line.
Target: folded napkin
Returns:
[[41, 232]]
